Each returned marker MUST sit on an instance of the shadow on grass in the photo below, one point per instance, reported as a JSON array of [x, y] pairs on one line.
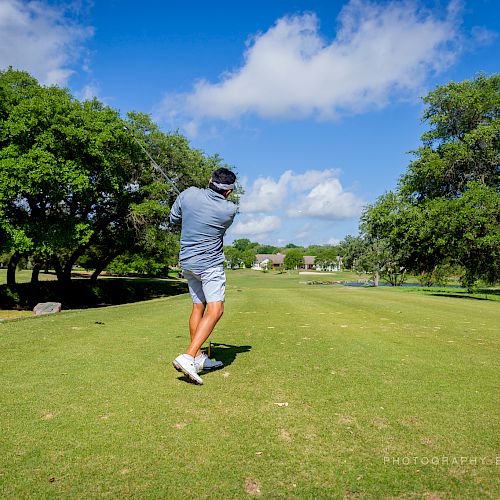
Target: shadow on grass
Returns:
[[223, 352], [82, 293], [456, 296], [227, 353], [480, 294]]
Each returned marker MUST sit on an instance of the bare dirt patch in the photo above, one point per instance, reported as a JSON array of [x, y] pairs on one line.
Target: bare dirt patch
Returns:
[[379, 423], [346, 420], [433, 496], [411, 421], [252, 487], [285, 435]]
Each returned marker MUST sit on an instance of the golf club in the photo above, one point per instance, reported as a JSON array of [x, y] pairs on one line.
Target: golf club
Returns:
[[172, 183]]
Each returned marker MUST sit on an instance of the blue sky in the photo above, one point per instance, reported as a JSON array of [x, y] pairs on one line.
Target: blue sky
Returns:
[[315, 103]]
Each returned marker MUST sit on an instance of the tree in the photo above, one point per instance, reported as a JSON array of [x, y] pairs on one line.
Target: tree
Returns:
[[243, 244], [350, 249], [326, 256], [248, 257], [72, 179], [379, 261], [463, 143], [293, 259], [42, 150], [446, 210], [269, 249], [233, 257], [464, 230]]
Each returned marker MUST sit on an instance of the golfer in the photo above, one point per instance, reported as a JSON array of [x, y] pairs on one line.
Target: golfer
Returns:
[[205, 215]]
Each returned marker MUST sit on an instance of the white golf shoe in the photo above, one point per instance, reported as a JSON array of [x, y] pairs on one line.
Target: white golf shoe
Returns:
[[185, 364], [203, 362]]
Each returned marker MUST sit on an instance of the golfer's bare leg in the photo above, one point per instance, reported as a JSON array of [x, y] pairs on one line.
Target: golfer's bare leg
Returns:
[[212, 314], [194, 320]]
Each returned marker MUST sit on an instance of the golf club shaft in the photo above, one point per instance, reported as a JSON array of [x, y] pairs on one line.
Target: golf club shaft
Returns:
[[172, 183]]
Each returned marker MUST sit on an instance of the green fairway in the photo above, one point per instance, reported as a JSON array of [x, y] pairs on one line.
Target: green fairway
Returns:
[[328, 392]]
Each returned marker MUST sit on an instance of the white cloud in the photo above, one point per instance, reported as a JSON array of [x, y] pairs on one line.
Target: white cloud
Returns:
[[257, 225], [295, 207], [88, 92], [328, 200], [266, 194], [379, 51], [40, 38], [315, 193]]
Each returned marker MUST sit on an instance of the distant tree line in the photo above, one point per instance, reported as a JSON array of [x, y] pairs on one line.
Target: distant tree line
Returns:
[[75, 187], [243, 252]]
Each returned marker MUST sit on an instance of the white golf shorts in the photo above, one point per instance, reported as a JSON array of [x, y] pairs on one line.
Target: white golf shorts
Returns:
[[208, 286]]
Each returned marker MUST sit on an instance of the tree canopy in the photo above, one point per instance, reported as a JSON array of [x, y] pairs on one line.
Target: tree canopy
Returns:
[[75, 185], [293, 258], [446, 209]]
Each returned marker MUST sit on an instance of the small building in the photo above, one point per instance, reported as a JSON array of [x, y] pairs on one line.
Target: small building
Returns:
[[262, 260], [331, 265], [309, 262], [277, 260]]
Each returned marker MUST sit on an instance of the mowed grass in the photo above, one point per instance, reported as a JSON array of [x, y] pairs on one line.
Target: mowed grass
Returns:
[[24, 276], [388, 394]]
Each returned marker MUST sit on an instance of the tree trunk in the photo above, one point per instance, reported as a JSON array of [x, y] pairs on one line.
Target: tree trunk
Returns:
[[35, 272], [68, 267], [11, 268], [375, 279], [101, 266], [58, 268]]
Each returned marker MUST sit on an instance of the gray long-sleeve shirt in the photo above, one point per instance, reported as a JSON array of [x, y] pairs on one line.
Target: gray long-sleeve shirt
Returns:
[[205, 216]]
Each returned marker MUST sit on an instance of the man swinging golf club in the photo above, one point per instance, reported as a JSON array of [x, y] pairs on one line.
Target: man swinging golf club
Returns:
[[205, 215]]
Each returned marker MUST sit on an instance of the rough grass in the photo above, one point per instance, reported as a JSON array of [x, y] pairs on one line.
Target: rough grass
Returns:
[[373, 379]]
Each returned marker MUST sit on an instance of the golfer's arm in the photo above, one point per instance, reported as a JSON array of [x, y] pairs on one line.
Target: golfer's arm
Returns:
[[176, 212], [231, 219]]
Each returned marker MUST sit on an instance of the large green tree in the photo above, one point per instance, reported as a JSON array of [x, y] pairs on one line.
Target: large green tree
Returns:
[[463, 142], [72, 179], [243, 244], [65, 171], [446, 210]]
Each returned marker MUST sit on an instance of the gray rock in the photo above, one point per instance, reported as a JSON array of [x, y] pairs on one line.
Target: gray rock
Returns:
[[47, 308]]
